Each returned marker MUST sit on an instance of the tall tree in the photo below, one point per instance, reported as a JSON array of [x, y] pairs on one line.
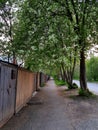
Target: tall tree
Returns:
[[7, 18], [38, 30], [82, 15]]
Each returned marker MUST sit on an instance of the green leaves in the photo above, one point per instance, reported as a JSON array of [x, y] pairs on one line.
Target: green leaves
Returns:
[[92, 67], [47, 33]]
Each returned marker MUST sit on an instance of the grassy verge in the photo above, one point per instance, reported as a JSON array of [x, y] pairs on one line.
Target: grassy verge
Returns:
[[85, 93], [60, 82]]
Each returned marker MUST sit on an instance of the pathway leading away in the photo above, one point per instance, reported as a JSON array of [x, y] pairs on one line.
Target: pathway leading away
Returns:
[[50, 112]]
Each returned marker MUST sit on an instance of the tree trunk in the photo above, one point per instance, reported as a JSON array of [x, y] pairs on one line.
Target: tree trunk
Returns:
[[14, 58], [83, 82], [8, 57], [62, 74]]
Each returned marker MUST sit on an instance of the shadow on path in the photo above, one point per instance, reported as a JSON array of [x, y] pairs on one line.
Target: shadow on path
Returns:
[[47, 112], [53, 109]]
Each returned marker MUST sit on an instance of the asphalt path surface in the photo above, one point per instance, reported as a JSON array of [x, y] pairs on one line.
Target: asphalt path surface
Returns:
[[50, 110], [48, 113]]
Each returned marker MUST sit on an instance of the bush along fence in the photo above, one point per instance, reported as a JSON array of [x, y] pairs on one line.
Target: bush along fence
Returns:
[[16, 88]]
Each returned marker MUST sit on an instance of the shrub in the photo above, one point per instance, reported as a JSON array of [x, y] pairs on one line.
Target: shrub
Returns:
[[92, 68], [72, 86], [60, 82], [77, 72], [85, 93], [75, 85]]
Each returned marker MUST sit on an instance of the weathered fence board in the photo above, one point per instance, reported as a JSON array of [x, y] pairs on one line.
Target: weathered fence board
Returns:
[[25, 87], [16, 88], [42, 79], [38, 81], [7, 94], [1, 95], [35, 82]]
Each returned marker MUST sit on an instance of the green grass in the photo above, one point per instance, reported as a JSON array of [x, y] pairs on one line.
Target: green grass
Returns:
[[92, 81], [60, 82], [85, 93], [73, 86]]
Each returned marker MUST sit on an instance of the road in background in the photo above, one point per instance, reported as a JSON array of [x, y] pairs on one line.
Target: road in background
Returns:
[[92, 86]]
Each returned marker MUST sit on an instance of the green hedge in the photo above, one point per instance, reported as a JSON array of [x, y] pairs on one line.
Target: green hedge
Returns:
[[60, 82], [91, 69]]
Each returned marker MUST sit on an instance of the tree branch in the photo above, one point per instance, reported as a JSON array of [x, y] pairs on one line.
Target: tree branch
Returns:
[[76, 14]]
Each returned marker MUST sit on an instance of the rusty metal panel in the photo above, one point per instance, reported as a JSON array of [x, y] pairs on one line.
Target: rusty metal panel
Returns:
[[25, 88]]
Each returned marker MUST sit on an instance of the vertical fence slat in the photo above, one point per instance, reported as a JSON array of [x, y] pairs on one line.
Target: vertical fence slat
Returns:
[[12, 97], [7, 93], [1, 93], [25, 88]]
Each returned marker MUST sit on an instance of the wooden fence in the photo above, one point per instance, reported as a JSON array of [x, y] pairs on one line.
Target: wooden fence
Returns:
[[37, 81], [43, 79], [25, 88], [16, 88]]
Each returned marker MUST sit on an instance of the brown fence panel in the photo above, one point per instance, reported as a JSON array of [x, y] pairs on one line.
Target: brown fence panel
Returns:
[[1, 96], [25, 87], [16, 88], [35, 81], [8, 74], [43, 79], [38, 81]]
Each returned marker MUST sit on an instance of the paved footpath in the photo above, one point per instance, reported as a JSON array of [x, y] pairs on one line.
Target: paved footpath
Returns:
[[48, 111]]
